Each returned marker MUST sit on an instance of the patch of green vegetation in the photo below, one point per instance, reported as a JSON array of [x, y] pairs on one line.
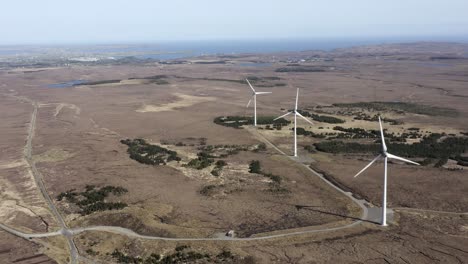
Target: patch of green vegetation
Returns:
[[461, 160], [181, 254], [402, 107], [208, 153], [203, 160], [93, 199], [159, 82], [211, 62], [254, 167], [260, 147], [275, 186], [441, 162], [357, 132], [322, 118], [98, 82], [426, 162], [446, 58], [224, 151], [433, 146], [218, 167], [375, 118], [302, 131], [301, 69], [154, 77], [239, 121], [212, 79], [254, 80], [265, 81], [146, 153]]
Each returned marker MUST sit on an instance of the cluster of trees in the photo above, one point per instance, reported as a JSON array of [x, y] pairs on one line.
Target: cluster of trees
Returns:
[[208, 153], [401, 107], [223, 151], [204, 159], [102, 206], [357, 133], [238, 121], [375, 118], [146, 153], [182, 254], [302, 131], [93, 198], [432, 146], [354, 132], [255, 167], [322, 118], [265, 81], [362, 133]]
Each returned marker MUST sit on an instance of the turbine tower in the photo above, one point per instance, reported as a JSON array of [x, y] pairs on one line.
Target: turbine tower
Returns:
[[254, 96], [296, 113], [386, 156]]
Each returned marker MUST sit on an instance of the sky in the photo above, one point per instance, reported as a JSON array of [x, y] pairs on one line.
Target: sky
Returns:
[[145, 21]]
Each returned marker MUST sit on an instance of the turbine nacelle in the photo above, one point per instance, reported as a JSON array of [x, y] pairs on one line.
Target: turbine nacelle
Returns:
[[254, 97], [296, 114]]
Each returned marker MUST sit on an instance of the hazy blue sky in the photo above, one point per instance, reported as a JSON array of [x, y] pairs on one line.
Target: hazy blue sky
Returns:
[[107, 21]]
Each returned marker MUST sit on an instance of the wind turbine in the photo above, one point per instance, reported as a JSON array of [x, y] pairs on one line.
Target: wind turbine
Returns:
[[254, 96], [386, 156], [296, 113]]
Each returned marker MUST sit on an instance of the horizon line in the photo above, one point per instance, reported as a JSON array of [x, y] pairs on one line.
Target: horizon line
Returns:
[[394, 39]]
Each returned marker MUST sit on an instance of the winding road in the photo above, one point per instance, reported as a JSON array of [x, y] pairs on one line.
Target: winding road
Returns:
[[68, 233]]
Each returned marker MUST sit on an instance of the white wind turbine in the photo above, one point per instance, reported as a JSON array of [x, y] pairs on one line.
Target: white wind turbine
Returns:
[[296, 113], [386, 156], [254, 96]]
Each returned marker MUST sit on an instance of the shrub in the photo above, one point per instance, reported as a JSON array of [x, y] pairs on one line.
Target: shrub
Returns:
[[92, 199], [254, 166], [145, 153]]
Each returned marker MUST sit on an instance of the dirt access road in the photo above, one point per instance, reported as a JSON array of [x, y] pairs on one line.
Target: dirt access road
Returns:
[[69, 233]]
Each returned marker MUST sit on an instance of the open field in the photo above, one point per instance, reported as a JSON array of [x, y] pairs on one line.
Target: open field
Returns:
[[69, 139]]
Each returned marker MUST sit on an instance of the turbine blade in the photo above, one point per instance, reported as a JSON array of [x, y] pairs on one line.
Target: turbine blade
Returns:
[[250, 85], [297, 98], [303, 117], [262, 92], [368, 165], [402, 159], [384, 146], [249, 101], [288, 113]]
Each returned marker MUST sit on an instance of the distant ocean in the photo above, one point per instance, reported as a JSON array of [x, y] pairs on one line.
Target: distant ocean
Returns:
[[181, 49], [176, 50]]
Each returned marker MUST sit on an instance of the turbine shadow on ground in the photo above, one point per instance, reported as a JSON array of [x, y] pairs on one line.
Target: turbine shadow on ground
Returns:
[[312, 208]]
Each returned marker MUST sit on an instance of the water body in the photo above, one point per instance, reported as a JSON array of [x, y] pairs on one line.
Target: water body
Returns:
[[66, 84], [169, 50]]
